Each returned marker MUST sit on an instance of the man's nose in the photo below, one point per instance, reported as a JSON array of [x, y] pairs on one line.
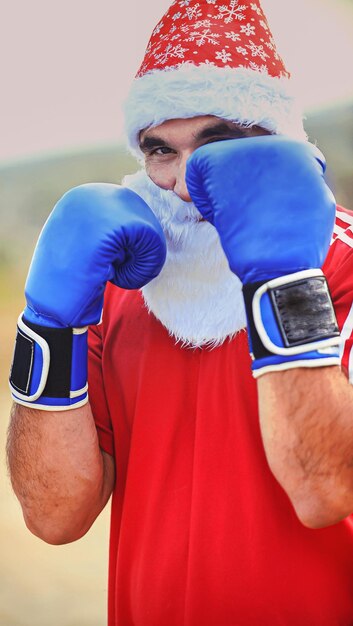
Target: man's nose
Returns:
[[180, 187]]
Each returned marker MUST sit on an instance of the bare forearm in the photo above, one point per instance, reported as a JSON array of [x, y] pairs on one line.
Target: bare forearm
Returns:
[[57, 471], [306, 418]]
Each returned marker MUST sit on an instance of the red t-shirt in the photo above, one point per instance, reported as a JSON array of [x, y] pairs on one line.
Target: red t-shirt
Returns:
[[201, 532]]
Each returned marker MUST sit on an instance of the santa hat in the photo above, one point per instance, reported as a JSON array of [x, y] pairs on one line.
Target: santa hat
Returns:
[[213, 58]]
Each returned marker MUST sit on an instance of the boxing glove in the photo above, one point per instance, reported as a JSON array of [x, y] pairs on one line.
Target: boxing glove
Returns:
[[274, 213], [95, 233]]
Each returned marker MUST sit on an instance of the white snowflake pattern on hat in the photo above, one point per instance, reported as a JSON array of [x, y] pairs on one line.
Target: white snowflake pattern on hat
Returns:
[[248, 29], [233, 36], [203, 23], [193, 12], [231, 12], [202, 37]]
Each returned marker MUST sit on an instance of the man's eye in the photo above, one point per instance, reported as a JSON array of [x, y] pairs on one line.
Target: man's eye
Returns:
[[161, 150]]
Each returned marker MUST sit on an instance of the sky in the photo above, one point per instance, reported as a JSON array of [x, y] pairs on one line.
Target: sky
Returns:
[[66, 65]]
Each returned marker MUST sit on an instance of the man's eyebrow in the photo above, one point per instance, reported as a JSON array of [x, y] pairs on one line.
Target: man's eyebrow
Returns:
[[148, 143], [220, 130]]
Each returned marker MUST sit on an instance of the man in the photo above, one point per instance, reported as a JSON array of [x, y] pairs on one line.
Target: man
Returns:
[[231, 491]]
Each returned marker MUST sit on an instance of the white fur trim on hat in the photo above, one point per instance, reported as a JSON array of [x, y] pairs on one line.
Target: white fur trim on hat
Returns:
[[240, 95]]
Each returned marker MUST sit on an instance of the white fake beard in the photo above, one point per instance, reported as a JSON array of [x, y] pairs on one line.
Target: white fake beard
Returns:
[[196, 296]]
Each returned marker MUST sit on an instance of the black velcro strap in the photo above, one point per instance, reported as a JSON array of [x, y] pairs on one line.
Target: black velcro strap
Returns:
[[303, 311], [258, 349], [21, 369], [59, 340]]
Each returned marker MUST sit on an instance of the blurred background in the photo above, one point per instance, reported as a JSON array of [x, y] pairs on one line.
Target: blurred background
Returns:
[[65, 69]]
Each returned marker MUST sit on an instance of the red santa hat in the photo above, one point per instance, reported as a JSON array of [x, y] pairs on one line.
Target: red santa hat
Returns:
[[207, 57]]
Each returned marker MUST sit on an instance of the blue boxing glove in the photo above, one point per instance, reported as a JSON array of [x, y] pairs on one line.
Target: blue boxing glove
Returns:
[[274, 214], [96, 233]]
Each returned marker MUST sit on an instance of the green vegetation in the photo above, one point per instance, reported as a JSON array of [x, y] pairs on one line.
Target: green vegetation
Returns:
[[332, 131]]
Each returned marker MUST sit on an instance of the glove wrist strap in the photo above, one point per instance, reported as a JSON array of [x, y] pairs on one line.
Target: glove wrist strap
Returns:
[[49, 368], [291, 322]]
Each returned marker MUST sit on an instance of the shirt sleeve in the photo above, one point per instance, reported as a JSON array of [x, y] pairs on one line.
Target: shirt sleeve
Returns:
[[339, 271], [96, 391]]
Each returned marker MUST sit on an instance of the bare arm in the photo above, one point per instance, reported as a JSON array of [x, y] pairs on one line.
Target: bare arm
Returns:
[[306, 418], [59, 474]]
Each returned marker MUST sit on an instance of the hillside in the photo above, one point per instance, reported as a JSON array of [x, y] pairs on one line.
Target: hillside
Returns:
[[332, 131]]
